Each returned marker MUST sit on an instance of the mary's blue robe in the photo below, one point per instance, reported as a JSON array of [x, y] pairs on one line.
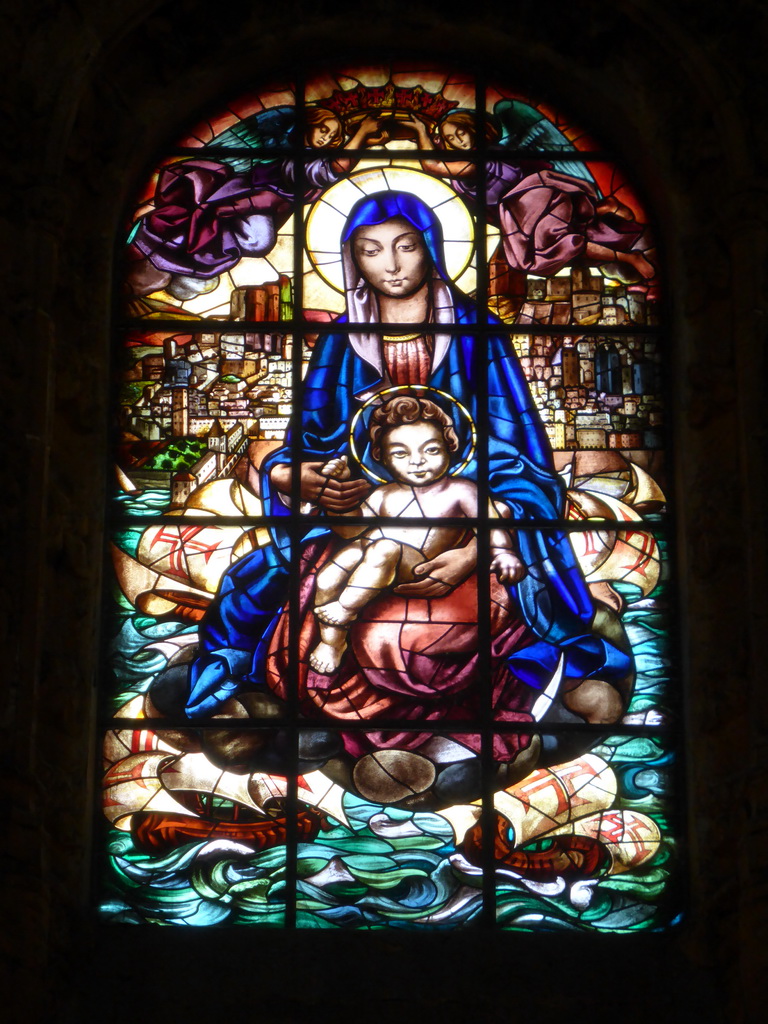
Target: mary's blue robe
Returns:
[[553, 598]]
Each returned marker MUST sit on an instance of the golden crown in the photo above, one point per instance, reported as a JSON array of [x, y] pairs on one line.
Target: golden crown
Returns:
[[353, 104]]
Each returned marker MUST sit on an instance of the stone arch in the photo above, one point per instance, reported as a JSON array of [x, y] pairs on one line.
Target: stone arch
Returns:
[[96, 94]]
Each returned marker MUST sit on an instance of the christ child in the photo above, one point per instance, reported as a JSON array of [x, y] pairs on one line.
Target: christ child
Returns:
[[414, 439]]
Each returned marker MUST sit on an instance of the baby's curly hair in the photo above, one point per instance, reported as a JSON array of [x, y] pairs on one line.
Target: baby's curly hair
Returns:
[[404, 409]]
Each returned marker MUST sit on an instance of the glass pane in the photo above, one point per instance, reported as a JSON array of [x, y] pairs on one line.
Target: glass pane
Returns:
[[579, 625], [199, 412], [188, 842], [587, 845], [387, 860], [341, 211], [259, 119], [390, 106], [529, 123], [587, 416], [206, 228], [578, 296], [187, 629]]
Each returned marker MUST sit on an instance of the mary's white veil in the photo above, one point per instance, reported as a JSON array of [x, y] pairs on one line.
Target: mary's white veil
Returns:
[[363, 308]]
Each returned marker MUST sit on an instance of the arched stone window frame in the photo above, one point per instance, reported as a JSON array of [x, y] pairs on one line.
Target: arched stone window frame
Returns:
[[712, 238]]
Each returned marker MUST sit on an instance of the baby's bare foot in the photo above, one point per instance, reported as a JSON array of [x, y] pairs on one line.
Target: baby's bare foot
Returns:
[[326, 659], [334, 613]]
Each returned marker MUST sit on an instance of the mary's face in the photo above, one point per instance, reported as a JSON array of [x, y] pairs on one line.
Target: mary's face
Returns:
[[326, 133], [392, 257]]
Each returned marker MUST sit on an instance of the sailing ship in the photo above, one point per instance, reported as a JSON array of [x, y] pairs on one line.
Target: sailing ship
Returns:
[[168, 798], [561, 822]]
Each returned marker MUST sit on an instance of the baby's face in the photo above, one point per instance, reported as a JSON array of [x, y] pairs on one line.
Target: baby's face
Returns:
[[415, 453]]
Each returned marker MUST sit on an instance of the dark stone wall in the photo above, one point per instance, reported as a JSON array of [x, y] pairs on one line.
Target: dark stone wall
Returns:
[[91, 91]]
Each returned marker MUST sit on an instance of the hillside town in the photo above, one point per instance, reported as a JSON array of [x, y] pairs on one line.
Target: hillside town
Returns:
[[222, 390], [596, 390]]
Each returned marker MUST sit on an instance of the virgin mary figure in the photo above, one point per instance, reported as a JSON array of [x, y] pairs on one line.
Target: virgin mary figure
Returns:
[[412, 657]]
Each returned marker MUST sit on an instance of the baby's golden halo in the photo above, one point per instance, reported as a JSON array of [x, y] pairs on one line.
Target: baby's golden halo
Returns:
[[421, 391]]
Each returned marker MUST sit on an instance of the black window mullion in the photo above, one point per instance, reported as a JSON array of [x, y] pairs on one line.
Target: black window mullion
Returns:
[[294, 623], [569, 329], [485, 675]]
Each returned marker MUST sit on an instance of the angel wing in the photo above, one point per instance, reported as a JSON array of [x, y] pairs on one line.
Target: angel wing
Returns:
[[266, 128], [523, 127]]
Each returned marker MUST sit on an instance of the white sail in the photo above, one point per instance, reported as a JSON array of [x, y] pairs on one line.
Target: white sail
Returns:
[[643, 488], [634, 558], [631, 838], [550, 797], [546, 799], [133, 784], [136, 578], [319, 791], [224, 497], [196, 774], [194, 556], [631, 556], [614, 483], [124, 482]]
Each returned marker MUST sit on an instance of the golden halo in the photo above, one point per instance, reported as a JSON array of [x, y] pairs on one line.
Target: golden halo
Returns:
[[328, 215], [411, 387]]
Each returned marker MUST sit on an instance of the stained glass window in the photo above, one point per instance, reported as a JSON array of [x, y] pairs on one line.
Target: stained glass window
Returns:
[[389, 605]]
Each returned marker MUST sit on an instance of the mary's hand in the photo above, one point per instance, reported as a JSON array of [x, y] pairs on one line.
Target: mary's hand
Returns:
[[320, 489], [331, 494], [440, 575]]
